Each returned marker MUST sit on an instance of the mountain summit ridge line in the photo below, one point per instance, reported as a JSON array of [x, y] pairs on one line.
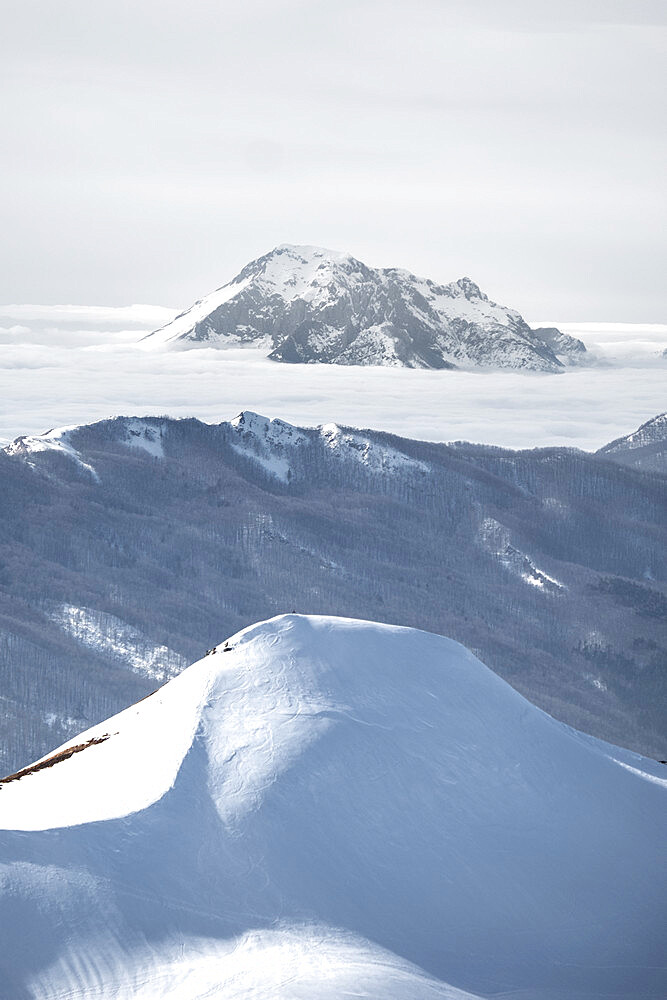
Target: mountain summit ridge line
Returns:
[[307, 305]]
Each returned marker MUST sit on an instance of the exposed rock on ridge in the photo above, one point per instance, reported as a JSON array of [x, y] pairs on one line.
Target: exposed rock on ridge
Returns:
[[307, 305], [562, 344]]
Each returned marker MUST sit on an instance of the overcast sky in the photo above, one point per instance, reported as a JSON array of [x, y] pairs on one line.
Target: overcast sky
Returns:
[[150, 148]]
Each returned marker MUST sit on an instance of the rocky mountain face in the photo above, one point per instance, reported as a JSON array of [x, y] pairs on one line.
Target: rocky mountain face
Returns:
[[645, 448], [306, 305], [565, 347], [129, 544]]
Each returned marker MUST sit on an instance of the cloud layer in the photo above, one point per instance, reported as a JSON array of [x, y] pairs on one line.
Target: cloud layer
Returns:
[[63, 365]]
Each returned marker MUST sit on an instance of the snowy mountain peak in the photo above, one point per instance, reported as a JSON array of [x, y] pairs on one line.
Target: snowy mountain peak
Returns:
[[247, 420], [267, 442], [305, 253], [326, 807], [470, 289], [293, 271], [272, 430], [305, 304]]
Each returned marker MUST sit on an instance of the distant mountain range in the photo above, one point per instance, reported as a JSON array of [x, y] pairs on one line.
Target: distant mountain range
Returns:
[[128, 544], [306, 305], [325, 808]]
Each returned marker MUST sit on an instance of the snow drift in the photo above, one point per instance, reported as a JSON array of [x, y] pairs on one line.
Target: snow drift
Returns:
[[333, 807]]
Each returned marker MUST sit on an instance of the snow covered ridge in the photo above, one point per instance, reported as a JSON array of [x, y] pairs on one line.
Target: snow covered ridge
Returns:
[[325, 807], [645, 448], [146, 434], [57, 441], [307, 304], [267, 442], [652, 432], [273, 445], [373, 456]]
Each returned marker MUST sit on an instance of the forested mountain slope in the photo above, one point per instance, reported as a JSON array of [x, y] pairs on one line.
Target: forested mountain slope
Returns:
[[130, 545]]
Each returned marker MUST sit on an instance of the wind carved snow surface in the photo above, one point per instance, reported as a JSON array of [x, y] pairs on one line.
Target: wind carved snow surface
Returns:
[[111, 637], [268, 537], [135, 765], [325, 784], [251, 741]]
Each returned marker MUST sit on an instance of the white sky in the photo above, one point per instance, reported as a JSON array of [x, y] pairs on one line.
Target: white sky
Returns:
[[151, 148]]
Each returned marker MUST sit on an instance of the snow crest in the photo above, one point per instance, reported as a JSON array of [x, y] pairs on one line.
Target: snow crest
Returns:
[[314, 785], [267, 442], [57, 440]]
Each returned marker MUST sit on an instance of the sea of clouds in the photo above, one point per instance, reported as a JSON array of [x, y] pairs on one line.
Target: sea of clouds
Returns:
[[75, 364]]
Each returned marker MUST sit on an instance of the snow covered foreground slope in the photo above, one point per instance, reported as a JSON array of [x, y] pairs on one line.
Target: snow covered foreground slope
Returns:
[[334, 808]]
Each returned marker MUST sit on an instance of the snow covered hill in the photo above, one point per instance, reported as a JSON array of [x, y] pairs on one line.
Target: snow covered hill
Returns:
[[334, 808], [645, 448], [307, 304]]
